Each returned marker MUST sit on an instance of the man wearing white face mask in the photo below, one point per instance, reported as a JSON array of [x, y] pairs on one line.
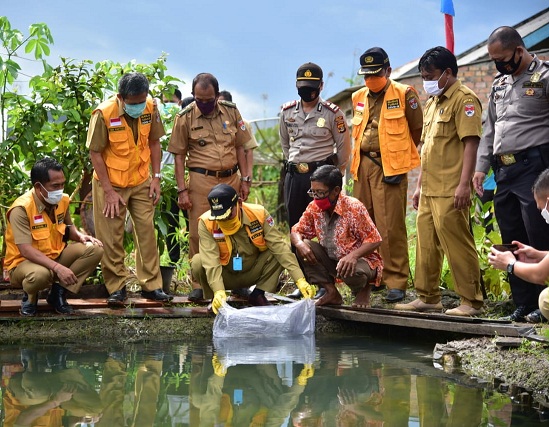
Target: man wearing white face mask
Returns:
[[527, 263], [37, 253], [124, 143], [450, 137], [515, 142], [387, 122]]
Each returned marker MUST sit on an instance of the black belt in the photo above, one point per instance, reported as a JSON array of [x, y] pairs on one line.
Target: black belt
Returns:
[[512, 158], [217, 174], [305, 167], [371, 154]]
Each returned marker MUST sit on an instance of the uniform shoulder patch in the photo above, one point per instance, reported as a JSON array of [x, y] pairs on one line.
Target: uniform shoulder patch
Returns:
[[227, 103], [330, 106], [289, 105], [186, 109]]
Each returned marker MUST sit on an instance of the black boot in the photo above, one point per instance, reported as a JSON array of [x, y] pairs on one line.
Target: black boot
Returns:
[[57, 299], [28, 308]]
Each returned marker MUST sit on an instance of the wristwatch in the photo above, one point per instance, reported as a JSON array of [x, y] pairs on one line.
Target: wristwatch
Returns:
[[246, 178], [158, 175], [511, 267]]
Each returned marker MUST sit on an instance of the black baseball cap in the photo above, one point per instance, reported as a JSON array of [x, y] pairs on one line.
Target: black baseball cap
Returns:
[[222, 198], [373, 61], [309, 74]]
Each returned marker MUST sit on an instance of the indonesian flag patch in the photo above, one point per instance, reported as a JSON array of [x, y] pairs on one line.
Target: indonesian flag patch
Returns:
[[38, 219], [116, 122], [469, 110], [360, 106]]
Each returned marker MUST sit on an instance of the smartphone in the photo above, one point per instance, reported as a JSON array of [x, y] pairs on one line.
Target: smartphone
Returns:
[[506, 247]]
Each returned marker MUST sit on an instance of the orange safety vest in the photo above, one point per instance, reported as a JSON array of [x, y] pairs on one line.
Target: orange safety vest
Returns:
[[127, 162], [255, 215], [47, 237], [398, 152]]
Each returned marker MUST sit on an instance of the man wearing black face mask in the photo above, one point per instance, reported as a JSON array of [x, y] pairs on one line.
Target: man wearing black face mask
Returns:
[[515, 142], [313, 132], [208, 138]]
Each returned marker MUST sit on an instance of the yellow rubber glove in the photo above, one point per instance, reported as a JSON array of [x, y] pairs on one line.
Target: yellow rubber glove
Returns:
[[218, 300], [306, 373], [306, 290], [219, 369]]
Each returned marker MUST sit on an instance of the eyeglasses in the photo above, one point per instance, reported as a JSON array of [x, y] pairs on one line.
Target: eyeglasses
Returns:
[[317, 194]]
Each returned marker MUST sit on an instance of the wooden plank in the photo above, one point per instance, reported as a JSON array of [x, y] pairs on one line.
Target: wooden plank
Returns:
[[439, 324]]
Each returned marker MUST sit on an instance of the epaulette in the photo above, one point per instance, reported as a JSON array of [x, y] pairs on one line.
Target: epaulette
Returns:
[[227, 103], [186, 109], [289, 105], [330, 106]]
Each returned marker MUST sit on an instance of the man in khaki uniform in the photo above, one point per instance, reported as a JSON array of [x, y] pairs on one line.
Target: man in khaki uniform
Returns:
[[208, 138], [387, 123], [124, 141], [37, 254], [451, 134], [240, 247]]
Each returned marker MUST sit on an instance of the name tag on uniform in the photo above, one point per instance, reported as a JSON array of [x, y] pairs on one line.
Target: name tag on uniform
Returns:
[[237, 263]]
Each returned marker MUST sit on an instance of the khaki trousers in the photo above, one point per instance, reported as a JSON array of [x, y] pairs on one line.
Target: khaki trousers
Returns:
[[81, 258], [386, 204], [444, 230], [324, 271], [111, 232], [264, 274]]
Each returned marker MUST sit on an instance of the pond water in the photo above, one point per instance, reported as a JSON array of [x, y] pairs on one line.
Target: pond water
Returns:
[[302, 381]]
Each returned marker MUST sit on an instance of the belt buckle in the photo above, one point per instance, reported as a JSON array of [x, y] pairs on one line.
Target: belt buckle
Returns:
[[373, 154], [507, 159], [302, 167]]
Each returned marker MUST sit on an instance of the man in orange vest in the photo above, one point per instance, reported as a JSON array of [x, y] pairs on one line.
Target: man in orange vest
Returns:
[[124, 142], [387, 122], [239, 246], [37, 254]]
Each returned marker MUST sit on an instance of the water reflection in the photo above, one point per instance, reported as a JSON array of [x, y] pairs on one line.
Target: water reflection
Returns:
[[245, 382]]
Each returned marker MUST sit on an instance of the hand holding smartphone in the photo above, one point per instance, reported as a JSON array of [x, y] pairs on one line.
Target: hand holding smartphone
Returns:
[[506, 247]]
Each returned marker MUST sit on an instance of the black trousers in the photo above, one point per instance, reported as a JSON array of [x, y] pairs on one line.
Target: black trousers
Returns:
[[296, 198], [519, 218]]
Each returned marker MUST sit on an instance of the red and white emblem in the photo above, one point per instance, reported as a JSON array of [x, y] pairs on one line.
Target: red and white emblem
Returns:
[[469, 110]]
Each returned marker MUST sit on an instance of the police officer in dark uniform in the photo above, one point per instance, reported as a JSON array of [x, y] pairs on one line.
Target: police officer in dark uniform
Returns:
[[515, 142], [313, 132]]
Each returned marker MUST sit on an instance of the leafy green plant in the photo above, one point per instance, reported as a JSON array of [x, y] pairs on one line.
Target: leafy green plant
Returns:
[[53, 119]]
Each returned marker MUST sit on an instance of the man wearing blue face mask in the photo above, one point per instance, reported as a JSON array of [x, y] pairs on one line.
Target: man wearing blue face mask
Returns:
[[527, 263], [37, 254], [515, 142], [124, 143]]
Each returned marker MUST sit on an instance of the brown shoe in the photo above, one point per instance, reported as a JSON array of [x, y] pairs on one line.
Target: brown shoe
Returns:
[[418, 305], [464, 311]]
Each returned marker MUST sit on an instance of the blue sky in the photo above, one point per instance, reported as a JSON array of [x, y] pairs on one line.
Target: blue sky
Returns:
[[255, 47]]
